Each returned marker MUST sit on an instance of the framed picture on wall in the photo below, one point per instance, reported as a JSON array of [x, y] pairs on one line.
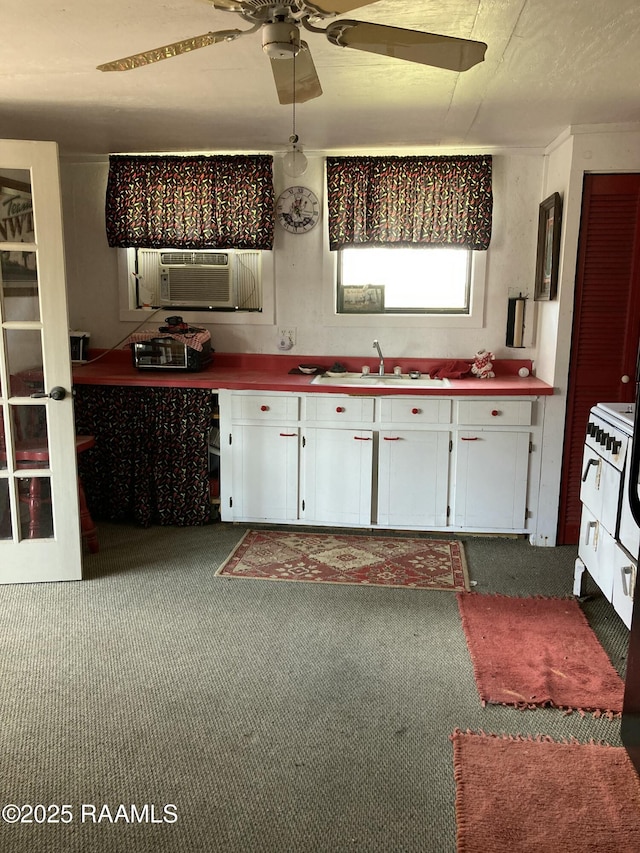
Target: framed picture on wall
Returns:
[[548, 257]]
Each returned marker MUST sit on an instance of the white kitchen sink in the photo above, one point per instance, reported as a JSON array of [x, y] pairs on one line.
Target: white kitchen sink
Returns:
[[373, 380]]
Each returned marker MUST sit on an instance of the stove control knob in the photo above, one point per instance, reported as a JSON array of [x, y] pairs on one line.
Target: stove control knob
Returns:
[[603, 437], [609, 442], [591, 428], [616, 447], [598, 435]]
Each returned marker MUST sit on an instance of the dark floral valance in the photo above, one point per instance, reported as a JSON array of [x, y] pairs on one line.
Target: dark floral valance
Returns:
[[190, 202], [408, 200]]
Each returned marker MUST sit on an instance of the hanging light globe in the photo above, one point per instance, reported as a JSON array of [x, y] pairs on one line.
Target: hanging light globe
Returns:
[[294, 161]]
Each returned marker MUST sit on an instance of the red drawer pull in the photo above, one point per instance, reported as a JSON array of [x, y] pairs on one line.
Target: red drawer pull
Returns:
[[362, 437], [264, 408], [288, 434], [464, 438], [339, 408], [391, 437], [415, 411], [495, 412]]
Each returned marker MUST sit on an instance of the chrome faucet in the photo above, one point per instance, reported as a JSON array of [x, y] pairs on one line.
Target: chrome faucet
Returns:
[[381, 365]]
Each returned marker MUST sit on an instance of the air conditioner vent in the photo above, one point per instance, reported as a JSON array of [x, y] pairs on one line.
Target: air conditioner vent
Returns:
[[197, 286], [204, 259]]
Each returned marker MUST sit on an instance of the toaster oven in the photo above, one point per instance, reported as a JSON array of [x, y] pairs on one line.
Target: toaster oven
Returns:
[[167, 353]]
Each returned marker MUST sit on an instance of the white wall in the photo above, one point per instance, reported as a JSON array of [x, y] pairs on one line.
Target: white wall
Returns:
[[304, 275]]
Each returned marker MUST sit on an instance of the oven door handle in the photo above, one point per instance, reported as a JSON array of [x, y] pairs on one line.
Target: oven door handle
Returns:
[[586, 470]]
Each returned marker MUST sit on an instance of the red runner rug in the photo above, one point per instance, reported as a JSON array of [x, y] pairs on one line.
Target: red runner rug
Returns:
[[531, 652], [349, 558], [525, 795]]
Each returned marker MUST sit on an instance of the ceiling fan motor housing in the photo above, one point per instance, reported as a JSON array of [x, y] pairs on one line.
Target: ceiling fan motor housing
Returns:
[[280, 40]]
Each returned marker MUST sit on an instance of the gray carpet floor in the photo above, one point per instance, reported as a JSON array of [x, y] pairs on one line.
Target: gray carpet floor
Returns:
[[272, 716]]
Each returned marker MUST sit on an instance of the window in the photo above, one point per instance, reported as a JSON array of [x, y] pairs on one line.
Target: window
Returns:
[[222, 286], [407, 280]]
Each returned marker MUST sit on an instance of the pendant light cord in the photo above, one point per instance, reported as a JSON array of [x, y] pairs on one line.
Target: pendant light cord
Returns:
[[293, 133]]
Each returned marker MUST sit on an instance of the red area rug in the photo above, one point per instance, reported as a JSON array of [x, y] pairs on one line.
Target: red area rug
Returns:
[[531, 652], [516, 794], [349, 558]]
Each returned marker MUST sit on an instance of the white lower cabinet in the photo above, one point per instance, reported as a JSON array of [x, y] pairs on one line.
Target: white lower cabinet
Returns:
[[490, 480], [413, 478], [264, 473], [419, 463], [336, 469]]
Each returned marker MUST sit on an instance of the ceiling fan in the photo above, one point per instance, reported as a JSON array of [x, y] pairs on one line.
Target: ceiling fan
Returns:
[[291, 63]]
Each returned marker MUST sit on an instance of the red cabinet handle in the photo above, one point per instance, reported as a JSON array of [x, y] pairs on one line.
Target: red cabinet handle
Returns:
[[264, 408], [288, 434], [339, 408], [362, 437], [391, 437], [464, 438], [415, 411], [495, 412]]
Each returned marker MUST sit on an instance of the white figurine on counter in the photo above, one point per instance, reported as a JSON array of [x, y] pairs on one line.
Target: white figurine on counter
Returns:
[[482, 366]]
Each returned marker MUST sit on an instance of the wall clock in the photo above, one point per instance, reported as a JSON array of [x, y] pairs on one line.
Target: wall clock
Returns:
[[297, 210]]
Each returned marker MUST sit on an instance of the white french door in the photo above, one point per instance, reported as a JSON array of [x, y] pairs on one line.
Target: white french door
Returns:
[[39, 518]]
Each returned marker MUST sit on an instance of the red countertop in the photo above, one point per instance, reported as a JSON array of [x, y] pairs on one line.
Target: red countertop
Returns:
[[257, 372]]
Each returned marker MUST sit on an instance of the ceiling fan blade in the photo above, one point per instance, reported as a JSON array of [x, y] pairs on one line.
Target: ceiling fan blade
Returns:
[[170, 50], [229, 5], [427, 48], [336, 7], [307, 85]]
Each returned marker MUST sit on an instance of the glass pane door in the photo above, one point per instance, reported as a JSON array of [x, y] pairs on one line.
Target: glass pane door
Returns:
[[39, 520]]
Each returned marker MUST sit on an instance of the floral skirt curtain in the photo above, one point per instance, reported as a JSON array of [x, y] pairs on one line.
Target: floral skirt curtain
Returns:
[[150, 462]]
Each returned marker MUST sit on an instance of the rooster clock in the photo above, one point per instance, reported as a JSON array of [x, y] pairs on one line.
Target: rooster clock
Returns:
[[297, 210]]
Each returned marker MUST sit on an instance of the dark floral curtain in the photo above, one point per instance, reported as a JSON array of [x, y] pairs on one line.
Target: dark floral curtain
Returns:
[[190, 202], [408, 200]]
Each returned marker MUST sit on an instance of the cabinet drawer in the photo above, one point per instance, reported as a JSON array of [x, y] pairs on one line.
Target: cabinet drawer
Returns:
[[339, 409], [495, 412], [418, 410], [265, 407]]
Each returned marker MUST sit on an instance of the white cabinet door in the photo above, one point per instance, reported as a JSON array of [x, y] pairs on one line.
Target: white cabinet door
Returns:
[[413, 478], [337, 470], [490, 482], [264, 465]]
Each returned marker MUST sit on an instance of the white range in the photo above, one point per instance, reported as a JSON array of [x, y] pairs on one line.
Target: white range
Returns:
[[609, 537]]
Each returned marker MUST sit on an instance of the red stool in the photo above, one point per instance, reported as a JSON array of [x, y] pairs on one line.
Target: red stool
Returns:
[[29, 451]]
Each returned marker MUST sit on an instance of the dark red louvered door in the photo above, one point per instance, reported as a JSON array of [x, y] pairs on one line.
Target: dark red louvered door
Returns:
[[606, 322]]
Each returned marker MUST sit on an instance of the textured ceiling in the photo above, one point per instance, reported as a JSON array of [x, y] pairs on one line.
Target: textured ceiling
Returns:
[[549, 64]]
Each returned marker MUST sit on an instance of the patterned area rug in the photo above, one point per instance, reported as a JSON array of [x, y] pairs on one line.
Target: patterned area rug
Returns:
[[349, 558], [532, 795], [531, 652]]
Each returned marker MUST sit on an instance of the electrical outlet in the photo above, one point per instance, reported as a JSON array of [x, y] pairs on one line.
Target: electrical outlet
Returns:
[[286, 339]]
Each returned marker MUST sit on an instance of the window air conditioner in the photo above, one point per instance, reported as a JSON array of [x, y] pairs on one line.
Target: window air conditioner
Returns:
[[198, 279]]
